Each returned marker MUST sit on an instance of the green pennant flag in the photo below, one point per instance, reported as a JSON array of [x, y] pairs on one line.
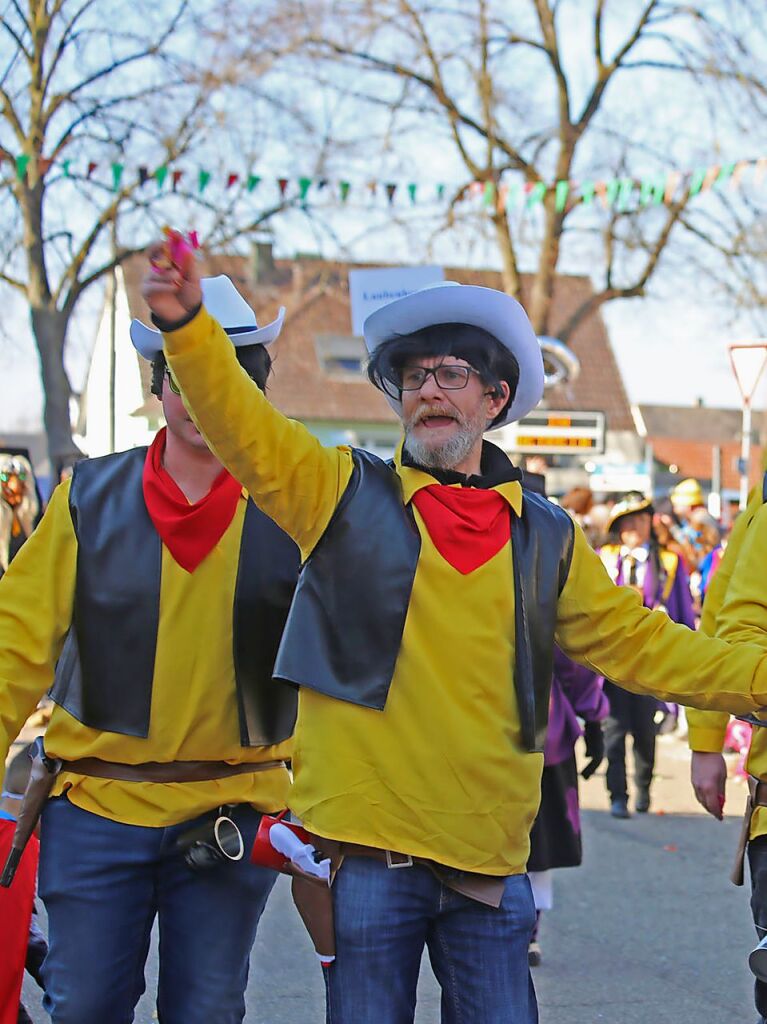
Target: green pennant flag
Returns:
[[563, 190], [160, 175], [724, 175], [651, 189], [344, 187], [22, 162], [411, 191], [117, 173], [625, 190], [202, 181], [488, 193], [611, 191], [440, 193], [588, 189], [537, 192], [253, 182], [697, 178], [304, 184], [65, 165]]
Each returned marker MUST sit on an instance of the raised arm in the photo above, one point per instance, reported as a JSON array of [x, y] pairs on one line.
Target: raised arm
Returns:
[[606, 628], [290, 475], [36, 601]]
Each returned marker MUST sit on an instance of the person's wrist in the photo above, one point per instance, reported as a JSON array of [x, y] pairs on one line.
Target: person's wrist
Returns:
[[166, 326]]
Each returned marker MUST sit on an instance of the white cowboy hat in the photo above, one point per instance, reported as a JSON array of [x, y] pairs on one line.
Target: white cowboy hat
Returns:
[[451, 303], [225, 304]]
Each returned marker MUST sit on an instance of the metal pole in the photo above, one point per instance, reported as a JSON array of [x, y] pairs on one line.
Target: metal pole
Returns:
[[112, 340], [745, 454], [715, 498]]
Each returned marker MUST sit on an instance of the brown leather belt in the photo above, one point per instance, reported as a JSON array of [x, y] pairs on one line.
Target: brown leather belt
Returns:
[[757, 797], [164, 771], [487, 889]]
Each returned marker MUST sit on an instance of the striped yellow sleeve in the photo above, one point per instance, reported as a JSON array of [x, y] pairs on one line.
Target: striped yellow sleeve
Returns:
[[289, 474], [36, 601], [606, 628]]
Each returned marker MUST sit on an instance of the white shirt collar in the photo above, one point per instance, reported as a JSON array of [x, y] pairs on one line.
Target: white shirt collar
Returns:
[[640, 554]]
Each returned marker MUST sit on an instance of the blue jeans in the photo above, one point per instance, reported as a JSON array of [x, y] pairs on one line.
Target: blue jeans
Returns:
[[103, 883], [384, 917]]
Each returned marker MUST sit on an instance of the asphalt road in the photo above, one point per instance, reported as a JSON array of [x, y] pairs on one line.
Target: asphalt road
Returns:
[[648, 931]]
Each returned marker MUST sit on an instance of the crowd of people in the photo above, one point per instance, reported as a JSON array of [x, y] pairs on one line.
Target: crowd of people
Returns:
[[237, 622]]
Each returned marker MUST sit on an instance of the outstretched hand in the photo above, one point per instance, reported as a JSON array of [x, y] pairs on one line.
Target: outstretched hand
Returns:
[[708, 773], [172, 291]]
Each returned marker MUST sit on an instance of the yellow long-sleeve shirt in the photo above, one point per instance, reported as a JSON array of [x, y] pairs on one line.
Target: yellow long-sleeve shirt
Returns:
[[193, 713], [733, 610], [440, 772]]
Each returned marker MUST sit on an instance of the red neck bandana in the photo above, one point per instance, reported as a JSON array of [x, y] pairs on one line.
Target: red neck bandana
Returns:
[[468, 526], [189, 532]]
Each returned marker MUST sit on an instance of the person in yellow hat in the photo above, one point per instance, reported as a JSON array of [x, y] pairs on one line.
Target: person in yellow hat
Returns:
[[634, 558], [686, 496]]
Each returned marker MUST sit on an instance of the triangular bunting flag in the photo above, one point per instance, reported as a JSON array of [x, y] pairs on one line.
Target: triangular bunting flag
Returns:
[[161, 174], [117, 173], [203, 178], [253, 182], [22, 163]]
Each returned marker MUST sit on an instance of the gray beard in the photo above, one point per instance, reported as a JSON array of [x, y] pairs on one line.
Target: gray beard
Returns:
[[445, 456]]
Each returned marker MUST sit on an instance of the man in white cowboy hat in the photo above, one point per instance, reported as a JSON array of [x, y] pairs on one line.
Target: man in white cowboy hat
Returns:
[[421, 636], [152, 598]]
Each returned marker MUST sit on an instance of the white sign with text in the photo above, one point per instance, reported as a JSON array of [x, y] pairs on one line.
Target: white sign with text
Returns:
[[371, 289]]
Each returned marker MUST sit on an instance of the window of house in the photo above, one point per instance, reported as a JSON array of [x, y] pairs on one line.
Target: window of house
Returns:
[[341, 355]]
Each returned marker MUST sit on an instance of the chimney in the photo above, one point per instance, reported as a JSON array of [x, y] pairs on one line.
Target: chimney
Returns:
[[262, 262]]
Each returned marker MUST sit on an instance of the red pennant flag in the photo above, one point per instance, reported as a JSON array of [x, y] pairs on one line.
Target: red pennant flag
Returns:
[[283, 185], [177, 176], [232, 179], [43, 165], [91, 168]]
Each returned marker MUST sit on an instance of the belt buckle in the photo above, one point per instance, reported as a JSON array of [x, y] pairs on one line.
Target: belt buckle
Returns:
[[406, 863]]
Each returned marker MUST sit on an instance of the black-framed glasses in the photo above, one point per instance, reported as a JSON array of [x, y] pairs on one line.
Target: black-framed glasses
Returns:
[[449, 376], [171, 382]]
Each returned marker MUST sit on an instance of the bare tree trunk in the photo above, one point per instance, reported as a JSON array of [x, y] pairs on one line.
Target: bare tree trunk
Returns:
[[50, 327], [509, 268]]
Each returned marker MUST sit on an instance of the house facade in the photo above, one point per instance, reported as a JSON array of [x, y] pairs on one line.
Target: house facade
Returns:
[[319, 363]]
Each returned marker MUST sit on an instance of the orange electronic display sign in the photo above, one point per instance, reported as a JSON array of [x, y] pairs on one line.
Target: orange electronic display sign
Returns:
[[557, 433]]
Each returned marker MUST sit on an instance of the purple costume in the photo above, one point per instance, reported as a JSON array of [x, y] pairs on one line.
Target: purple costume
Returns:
[[555, 840], [632, 713]]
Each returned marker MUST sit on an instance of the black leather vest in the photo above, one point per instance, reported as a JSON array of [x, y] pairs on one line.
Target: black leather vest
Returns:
[[346, 622], [104, 675]]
